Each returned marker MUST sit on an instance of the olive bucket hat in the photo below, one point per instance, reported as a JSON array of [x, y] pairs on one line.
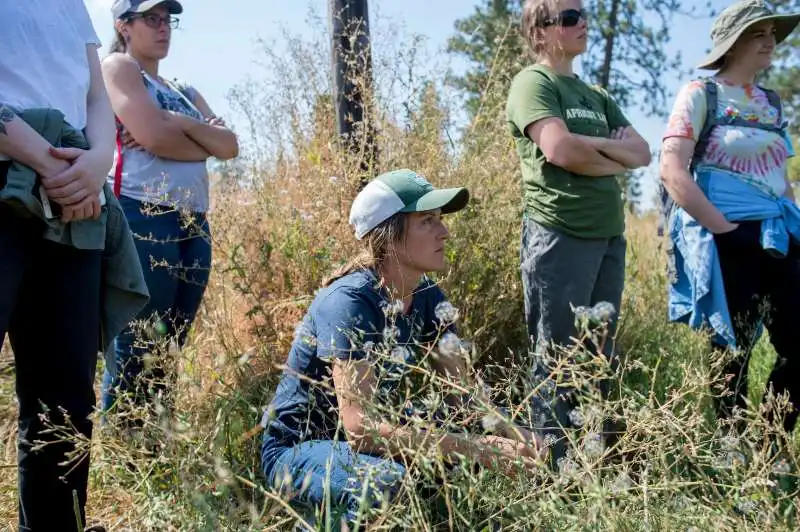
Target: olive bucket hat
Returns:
[[734, 20]]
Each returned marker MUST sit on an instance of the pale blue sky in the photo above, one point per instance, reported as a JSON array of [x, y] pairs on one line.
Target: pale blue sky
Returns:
[[216, 46]]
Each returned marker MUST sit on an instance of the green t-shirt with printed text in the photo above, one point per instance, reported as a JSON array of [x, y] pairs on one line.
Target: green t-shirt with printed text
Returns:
[[581, 206]]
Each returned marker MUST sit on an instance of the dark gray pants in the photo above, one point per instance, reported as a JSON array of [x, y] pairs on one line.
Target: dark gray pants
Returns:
[[559, 273]]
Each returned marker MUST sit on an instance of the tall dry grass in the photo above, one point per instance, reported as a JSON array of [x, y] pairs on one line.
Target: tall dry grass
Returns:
[[280, 226]]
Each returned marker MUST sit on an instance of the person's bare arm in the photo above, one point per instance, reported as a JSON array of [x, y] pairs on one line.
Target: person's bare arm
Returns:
[[21, 143], [217, 140], [625, 146], [355, 385], [152, 128], [676, 153], [570, 151]]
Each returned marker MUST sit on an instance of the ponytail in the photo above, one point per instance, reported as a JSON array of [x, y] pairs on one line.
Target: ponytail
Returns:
[[377, 245], [118, 45]]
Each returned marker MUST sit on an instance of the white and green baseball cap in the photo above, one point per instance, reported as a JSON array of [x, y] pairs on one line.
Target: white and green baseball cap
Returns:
[[401, 190]]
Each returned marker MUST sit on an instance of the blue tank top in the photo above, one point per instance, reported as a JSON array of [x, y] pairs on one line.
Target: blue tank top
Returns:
[[148, 178]]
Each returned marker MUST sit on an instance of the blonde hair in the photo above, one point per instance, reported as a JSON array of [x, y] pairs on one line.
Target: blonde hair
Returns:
[[377, 246], [534, 12]]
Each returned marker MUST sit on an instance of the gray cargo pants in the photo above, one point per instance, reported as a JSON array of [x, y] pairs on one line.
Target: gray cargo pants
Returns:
[[560, 272]]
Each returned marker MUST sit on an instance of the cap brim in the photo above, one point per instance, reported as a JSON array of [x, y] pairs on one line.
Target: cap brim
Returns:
[[784, 25], [449, 200], [173, 6]]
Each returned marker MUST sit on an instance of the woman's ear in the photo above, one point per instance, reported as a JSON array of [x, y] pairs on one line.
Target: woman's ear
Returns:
[[122, 29]]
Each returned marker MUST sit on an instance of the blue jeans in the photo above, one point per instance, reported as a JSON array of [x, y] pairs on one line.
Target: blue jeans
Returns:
[[175, 253], [331, 470]]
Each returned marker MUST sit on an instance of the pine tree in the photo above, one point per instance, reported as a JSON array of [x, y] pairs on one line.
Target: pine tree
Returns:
[[626, 55], [626, 51], [490, 40]]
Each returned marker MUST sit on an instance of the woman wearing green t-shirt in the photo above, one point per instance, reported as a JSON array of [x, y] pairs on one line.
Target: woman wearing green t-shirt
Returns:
[[573, 141]]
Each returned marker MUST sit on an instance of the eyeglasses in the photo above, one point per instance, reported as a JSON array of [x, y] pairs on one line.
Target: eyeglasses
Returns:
[[566, 19], [154, 21]]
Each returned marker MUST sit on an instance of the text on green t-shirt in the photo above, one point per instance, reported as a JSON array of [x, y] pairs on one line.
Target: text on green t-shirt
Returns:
[[582, 206]]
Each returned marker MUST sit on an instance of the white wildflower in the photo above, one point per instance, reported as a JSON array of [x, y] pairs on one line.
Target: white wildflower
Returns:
[[729, 443], [466, 346], [731, 460], [368, 347], [391, 333], [446, 313], [593, 445], [550, 440], [450, 344], [485, 392], [621, 483], [603, 311], [576, 417], [394, 308], [582, 313], [400, 354], [222, 472], [782, 467], [567, 466], [491, 422], [747, 507], [333, 179]]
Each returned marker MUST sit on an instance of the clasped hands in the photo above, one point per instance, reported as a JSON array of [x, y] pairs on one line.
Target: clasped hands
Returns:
[[77, 186]]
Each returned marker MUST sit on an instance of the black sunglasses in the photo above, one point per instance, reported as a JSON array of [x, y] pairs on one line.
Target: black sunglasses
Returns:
[[566, 19], [154, 20]]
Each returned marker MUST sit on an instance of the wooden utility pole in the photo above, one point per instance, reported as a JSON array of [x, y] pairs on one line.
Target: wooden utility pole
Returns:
[[352, 81]]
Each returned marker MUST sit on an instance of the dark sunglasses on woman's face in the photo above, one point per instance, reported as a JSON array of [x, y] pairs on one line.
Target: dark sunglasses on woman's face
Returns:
[[567, 18], [154, 21]]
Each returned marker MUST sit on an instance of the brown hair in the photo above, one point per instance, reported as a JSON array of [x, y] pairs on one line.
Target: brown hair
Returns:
[[534, 12], [118, 45], [377, 245]]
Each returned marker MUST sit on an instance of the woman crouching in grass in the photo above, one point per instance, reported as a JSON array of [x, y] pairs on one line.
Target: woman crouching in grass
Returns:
[[373, 322]]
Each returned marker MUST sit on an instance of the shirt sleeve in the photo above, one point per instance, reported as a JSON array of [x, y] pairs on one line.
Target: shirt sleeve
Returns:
[[688, 113], [532, 97], [344, 322], [83, 23]]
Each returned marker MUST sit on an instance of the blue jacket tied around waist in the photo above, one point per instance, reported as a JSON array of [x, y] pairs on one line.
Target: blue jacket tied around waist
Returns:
[[696, 294]]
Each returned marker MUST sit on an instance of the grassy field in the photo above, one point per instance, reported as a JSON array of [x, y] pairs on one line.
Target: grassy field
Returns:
[[282, 228]]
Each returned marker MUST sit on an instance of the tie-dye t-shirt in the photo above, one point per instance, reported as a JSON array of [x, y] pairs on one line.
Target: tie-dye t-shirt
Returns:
[[759, 156]]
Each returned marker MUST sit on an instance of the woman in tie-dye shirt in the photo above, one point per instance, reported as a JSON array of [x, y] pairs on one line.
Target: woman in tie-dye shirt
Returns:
[[736, 229]]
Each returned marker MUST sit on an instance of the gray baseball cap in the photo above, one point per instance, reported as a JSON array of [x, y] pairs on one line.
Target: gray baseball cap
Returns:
[[734, 20], [121, 8]]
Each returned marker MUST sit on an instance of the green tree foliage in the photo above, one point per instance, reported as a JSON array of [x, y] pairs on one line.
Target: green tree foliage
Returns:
[[784, 76], [490, 41], [794, 162], [626, 49], [626, 55]]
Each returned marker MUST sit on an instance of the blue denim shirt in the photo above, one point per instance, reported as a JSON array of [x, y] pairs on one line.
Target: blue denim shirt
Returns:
[[696, 294]]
